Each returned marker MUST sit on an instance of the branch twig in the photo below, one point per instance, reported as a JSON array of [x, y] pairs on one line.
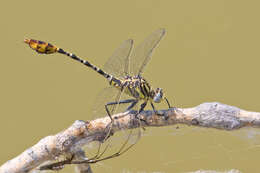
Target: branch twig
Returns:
[[70, 141]]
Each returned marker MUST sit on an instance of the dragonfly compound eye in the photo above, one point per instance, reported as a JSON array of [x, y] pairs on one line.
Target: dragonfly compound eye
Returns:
[[158, 95]]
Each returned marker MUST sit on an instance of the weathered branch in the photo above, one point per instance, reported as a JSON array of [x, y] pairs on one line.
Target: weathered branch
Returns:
[[70, 141]]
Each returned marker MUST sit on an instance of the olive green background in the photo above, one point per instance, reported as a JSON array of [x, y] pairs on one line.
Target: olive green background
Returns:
[[210, 53]]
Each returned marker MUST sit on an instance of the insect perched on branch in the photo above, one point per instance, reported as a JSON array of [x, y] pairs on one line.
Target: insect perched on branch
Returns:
[[123, 71]]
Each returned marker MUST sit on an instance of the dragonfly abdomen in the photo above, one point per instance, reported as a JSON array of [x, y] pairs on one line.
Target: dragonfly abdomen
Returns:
[[47, 48], [73, 56], [41, 46]]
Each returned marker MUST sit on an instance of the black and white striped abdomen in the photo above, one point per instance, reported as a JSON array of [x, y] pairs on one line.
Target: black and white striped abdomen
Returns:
[[73, 56]]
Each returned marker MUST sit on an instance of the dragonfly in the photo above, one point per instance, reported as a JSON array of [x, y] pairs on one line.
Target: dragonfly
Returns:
[[123, 71]]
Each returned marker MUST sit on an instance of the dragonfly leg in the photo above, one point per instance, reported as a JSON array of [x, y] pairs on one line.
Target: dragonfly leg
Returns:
[[123, 148], [133, 101], [109, 133], [153, 108], [155, 111], [97, 157], [132, 105], [143, 105], [168, 103]]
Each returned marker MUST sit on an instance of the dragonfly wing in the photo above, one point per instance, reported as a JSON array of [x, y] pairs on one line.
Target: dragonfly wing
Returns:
[[108, 95], [141, 55], [118, 64], [125, 136]]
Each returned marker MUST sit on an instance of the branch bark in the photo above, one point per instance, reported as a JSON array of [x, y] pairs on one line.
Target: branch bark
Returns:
[[80, 133]]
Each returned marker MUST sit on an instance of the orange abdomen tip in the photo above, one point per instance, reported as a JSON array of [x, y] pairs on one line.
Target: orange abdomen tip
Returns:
[[41, 46], [27, 41]]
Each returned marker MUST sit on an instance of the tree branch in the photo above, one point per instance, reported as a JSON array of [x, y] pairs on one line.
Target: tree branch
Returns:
[[70, 141]]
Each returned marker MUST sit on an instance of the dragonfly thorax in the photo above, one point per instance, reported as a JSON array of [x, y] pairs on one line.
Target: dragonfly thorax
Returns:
[[139, 88], [134, 86], [138, 82], [134, 81]]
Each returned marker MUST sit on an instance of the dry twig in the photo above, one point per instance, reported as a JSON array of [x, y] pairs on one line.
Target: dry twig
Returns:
[[70, 141]]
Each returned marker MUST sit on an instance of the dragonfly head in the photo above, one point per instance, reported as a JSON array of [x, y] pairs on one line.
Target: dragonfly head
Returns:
[[158, 95]]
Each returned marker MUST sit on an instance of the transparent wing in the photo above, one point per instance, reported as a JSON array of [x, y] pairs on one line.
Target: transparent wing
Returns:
[[107, 95], [124, 138], [118, 64], [141, 55]]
